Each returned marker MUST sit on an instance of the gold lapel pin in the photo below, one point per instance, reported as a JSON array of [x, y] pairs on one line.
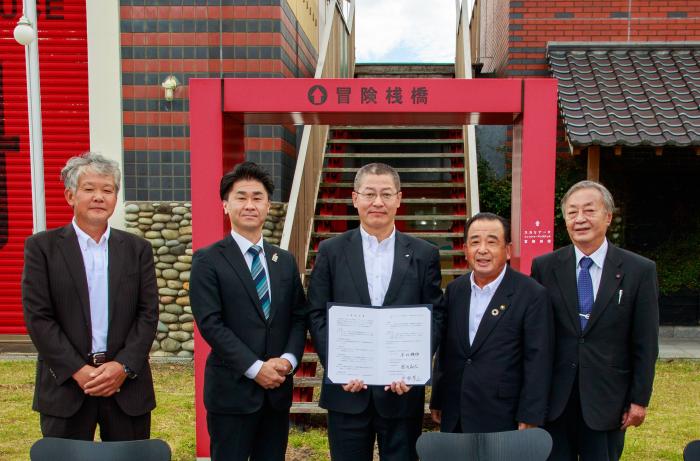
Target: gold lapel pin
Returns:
[[274, 258], [495, 312], [502, 307]]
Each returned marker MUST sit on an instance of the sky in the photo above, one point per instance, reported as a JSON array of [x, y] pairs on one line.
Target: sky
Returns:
[[405, 31]]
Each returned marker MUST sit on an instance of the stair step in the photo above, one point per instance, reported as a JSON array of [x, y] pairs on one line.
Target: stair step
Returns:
[[400, 170], [307, 408], [20, 344], [307, 381], [442, 253], [397, 155], [424, 235], [397, 141], [395, 127], [309, 357], [406, 217], [404, 201], [404, 185]]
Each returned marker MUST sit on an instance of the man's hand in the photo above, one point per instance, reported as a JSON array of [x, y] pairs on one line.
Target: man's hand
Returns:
[[268, 377], [105, 380], [634, 416], [398, 387], [436, 415], [523, 426], [355, 385], [283, 366], [82, 376]]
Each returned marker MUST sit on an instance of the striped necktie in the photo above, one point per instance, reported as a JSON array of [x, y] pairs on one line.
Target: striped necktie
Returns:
[[260, 278], [585, 291]]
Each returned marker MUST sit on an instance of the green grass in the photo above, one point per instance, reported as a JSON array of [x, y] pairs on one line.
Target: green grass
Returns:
[[672, 421]]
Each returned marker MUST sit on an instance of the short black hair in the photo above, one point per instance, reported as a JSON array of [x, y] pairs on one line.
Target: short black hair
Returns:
[[485, 216], [242, 171]]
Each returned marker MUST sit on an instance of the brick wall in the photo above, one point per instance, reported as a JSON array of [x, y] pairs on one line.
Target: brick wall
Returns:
[[200, 39], [534, 23]]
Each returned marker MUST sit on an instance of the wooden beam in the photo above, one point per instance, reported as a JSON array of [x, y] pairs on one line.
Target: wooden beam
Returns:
[[618, 151], [659, 151], [593, 163]]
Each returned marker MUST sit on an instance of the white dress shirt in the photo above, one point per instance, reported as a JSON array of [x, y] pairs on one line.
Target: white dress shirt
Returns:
[[244, 244], [96, 262], [480, 300], [596, 269], [379, 264]]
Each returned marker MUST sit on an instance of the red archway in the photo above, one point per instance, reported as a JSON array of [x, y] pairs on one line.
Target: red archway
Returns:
[[219, 108]]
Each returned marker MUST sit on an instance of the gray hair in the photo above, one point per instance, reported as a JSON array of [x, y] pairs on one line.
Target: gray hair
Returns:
[[587, 184], [76, 166], [376, 169]]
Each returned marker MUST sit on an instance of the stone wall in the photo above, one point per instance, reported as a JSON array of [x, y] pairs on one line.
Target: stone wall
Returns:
[[168, 227]]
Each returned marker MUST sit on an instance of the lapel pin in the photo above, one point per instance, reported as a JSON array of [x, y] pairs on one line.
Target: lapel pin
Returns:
[[503, 307], [617, 276], [408, 256], [495, 312], [274, 257]]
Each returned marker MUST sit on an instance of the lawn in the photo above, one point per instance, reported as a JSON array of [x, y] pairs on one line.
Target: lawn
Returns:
[[673, 420]]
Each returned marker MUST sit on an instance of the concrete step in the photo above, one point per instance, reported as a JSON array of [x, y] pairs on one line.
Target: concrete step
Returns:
[[16, 344], [404, 185], [400, 170]]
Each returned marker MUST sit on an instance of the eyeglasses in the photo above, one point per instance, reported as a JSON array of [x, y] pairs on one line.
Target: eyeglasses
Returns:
[[372, 196]]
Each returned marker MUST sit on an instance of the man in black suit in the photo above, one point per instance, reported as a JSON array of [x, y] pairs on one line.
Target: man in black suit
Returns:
[[606, 313], [91, 308], [249, 306], [372, 265], [495, 357]]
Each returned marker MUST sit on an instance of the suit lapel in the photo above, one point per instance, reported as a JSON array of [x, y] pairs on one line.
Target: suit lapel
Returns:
[[565, 272], [500, 302], [461, 309], [402, 260], [273, 276], [70, 248], [232, 253], [115, 266], [609, 282], [356, 264]]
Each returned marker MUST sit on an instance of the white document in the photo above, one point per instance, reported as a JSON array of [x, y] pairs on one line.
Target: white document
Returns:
[[379, 345]]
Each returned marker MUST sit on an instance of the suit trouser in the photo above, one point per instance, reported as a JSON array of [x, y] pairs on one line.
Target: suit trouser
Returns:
[[261, 435], [351, 437], [573, 440], [115, 425]]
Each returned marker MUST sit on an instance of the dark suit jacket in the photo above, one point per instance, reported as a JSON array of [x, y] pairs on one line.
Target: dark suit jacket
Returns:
[[615, 355], [57, 313], [230, 318], [339, 276], [503, 377]]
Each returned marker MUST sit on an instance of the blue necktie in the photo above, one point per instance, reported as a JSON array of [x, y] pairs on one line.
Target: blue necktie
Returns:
[[260, 278], [585, 291]]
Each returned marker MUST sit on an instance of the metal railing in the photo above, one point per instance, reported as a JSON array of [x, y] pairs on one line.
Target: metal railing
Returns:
[[336, 59]]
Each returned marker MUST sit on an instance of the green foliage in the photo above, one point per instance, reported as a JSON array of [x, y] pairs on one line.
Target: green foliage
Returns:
[[678, 262], [494, 192]]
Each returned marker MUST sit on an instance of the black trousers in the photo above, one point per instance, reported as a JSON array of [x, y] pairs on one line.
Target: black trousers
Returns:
[[260, 436], [115, 425], [574, 440], [351, 437]]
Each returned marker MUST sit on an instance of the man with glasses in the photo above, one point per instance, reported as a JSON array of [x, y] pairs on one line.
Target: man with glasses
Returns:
[[377, 265]]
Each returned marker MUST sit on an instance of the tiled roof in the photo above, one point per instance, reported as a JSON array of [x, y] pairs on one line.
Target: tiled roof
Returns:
[[629, 93]]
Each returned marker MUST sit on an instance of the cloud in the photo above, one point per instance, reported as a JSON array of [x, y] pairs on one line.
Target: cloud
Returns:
[[405, 31]]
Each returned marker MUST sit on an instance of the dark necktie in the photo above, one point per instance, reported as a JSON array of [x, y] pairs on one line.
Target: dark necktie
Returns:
[[585, 291], [260, 278]]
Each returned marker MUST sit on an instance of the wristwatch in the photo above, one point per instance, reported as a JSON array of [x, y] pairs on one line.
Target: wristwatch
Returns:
[[129, 372]]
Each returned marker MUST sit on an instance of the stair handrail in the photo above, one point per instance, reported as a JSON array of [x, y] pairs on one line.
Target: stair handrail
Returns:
[[463, 69], [336, 59]]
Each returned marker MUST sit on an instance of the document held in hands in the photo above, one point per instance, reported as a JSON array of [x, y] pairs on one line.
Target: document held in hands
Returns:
[[379, 345]]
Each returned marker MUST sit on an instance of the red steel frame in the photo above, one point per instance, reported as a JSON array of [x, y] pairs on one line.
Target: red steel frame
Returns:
[[219, 108]]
